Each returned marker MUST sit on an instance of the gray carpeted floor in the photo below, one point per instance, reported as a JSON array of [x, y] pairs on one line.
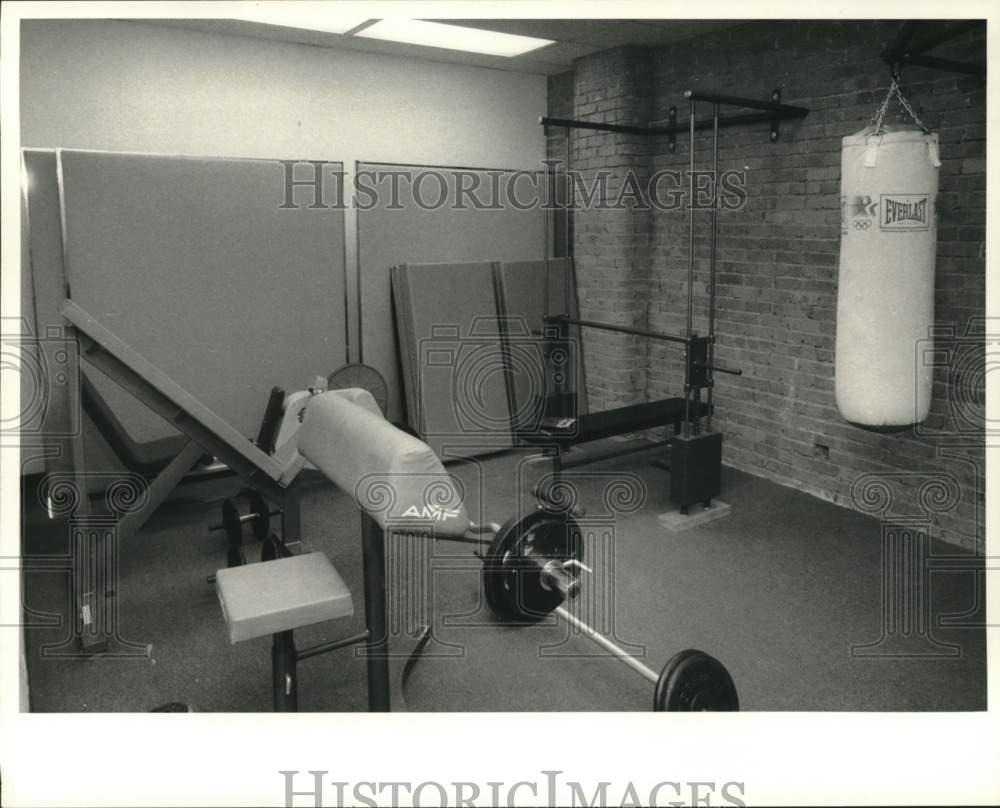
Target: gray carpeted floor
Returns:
[[780, 591]]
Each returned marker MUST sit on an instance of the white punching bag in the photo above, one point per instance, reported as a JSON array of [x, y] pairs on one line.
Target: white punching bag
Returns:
[[885, 298]]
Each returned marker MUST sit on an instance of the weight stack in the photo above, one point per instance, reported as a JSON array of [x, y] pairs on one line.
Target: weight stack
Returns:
[[695, 468]]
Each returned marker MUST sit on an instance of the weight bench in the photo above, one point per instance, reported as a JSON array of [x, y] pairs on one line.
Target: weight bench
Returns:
[[558, 434], [566, 432], [343, 435]]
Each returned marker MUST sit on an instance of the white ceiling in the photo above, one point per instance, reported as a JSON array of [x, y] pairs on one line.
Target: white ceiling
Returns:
[[573, 39]]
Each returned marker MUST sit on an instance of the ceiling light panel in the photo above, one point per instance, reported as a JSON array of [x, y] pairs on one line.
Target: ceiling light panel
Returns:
[[452, 37]]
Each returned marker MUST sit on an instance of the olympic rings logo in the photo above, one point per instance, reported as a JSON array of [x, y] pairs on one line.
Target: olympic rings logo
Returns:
[[862, 224]]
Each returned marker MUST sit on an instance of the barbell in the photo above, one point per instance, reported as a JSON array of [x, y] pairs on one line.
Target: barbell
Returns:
[[259, 517], [529, 572]]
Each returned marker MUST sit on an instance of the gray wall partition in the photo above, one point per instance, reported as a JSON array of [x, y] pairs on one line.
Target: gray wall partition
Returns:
[[193, 262]]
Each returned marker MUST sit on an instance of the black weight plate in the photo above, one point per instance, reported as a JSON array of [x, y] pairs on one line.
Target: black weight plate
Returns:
[[693, 681], [512, 580], [273, 548], [261, 523], [231, 523]]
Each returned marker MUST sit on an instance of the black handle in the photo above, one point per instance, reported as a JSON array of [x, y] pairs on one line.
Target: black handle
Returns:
[[730, 371]]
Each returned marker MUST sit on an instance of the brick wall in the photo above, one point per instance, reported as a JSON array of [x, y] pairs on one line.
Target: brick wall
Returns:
[[778, 256], [611, 247]]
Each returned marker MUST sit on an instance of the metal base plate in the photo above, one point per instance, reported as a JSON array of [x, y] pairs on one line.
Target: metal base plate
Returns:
[[696, 516]]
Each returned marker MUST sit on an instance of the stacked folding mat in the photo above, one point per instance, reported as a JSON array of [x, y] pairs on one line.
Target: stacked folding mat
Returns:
[[477, 362]]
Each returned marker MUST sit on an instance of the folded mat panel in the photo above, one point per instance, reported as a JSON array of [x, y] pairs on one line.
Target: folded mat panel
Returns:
[[452, 357], [396, 228]]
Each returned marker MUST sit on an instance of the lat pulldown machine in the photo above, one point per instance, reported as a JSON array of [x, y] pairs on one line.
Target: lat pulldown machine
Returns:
[[695, 456]]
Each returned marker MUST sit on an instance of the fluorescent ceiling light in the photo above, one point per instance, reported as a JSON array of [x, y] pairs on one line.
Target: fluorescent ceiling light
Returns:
[[308, 16], [452, 37]]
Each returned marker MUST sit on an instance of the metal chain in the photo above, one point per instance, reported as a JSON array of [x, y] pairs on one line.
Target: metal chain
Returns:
[[909, 110], [877, 120]]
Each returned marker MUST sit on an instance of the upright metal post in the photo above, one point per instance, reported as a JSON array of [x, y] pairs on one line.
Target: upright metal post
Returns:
[[690, 300], [711, 270], [567, 245], [568, 390], [545, 240], [377, 644], [284, 682], [691, 201]]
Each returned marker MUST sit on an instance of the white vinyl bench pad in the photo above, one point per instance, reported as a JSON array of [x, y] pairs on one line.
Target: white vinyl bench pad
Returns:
[[281, 595]]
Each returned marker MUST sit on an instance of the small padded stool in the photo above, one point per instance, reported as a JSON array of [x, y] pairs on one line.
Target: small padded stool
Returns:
[[277, 597]]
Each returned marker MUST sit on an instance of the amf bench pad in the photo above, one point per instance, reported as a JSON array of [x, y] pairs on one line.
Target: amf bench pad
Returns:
[[394, 477], [282, 595]]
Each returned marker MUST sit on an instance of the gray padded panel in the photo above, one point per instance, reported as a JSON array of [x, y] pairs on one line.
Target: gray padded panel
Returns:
[[394, 477], [456, 387], [193, 264], [387, 238], [47, 281], [281, 595], [520, 296]]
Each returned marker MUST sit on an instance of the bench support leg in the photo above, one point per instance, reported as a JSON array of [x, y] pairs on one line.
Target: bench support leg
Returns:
[[291, 516], [377, 644], [283, 673]]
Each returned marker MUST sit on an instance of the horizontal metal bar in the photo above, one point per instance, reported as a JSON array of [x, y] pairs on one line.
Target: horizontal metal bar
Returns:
[[621, 329], [724, 121], [718, 368], [748, 103], [491, 528], [966, 68], [323, 647], [466, 539], [617, 651], [679, 128], [569, 123], [944, 34], [244, 518]]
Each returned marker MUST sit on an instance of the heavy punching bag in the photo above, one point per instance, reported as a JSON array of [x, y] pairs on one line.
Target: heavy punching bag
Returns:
[[885, 298]]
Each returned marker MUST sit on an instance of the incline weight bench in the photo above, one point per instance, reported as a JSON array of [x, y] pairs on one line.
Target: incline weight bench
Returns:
[[345, 440]]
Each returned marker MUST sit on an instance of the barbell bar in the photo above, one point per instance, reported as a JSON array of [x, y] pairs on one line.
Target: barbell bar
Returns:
[[243, 519], [527, 574]]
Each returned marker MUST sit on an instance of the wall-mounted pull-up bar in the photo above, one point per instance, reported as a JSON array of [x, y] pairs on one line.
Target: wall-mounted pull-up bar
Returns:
[[785, 110], [569, 123], [771, 112]]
